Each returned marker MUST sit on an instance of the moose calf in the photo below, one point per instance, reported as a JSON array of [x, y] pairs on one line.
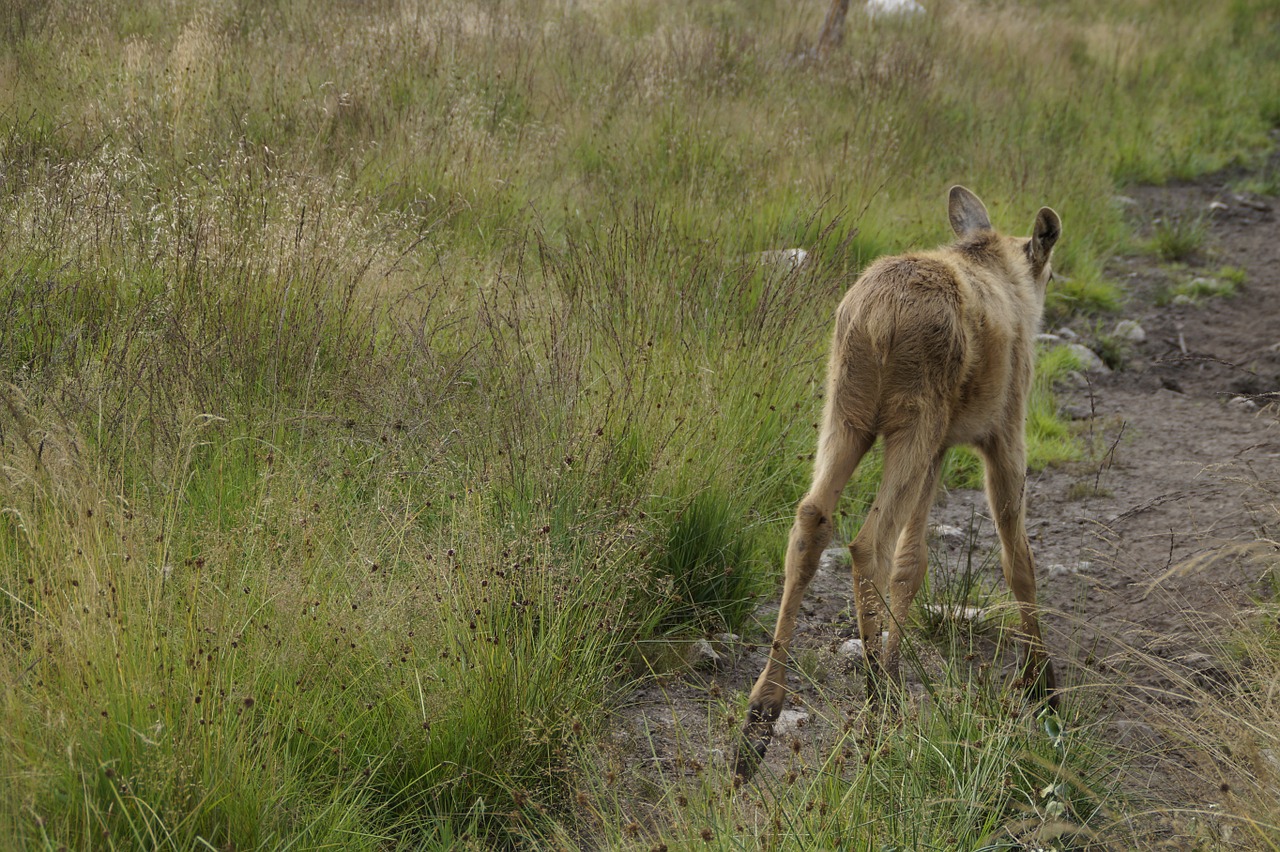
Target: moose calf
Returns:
[[931, 349]]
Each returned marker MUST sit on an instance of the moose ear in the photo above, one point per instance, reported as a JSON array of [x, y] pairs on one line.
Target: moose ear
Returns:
[[1047, 230], [967, 212]]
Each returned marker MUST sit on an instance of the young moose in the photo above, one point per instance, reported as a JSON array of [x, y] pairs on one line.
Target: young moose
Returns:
[[931, 350]]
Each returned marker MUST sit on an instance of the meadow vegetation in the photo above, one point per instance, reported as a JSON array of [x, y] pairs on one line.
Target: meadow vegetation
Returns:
[[377, 380]]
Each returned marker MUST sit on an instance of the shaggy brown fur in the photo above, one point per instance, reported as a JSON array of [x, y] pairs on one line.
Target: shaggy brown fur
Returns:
[[931, 350]]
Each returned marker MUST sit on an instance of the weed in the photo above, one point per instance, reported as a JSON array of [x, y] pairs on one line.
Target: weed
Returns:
[[1179, 238]]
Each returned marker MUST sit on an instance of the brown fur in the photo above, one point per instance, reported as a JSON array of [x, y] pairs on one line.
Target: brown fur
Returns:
[[931, 349]]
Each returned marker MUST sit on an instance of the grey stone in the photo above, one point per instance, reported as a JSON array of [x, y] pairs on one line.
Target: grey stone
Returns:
[[1089, 360], [1183, 299], [1130, 331], [789, 721], [948, 533], [1066, 333], [1243, 403], [1045, 337], [726, 644], [700, 655]]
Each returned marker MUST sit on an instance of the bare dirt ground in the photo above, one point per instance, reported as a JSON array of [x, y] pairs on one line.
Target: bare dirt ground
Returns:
[[1136, 568]]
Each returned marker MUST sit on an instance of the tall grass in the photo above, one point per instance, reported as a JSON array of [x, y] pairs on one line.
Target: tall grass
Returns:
[[376, 377]]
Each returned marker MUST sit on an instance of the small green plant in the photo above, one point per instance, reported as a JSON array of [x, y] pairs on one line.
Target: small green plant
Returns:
[[1179, 238], [1193, 290]]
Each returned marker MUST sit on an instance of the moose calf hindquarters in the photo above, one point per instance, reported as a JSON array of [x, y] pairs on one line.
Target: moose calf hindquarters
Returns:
[[930, 350]]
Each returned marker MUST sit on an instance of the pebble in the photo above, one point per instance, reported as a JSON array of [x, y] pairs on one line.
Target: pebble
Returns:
[[701, 655], [1130, 331], [1089, 360], [725, 644], [1059, 569], [1066, 333], [948, 533], [1183, 299], [790, 720], [1243, 403], [956, 613]]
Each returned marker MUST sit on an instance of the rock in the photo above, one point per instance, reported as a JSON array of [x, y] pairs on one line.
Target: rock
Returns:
[[1088, 359], [1242, 403], [947, 533], [1130, 331], [1044, 337], [892, 8], [726, 644], [700, 655], [791, 259], [1075, 379], [790, 720], [1183, 299], [1217, 207], [852, 649], [1066, 333], [1252, 202], [956, 613], [1059, 569]]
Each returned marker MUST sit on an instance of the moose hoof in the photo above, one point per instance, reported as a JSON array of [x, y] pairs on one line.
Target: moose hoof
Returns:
[[756, 735], [1041, 685]]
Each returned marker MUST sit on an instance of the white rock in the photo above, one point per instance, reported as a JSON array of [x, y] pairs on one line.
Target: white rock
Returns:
[[1045, 337], [1066, 333], [1217, 207], [1130, 331], [948, 533], [792, 258], [790, 720], [1243, 403], [852, 648], [888, 8], [956, 613], [1089, 360], [701, 655], [1183, 299], [1059, 569]]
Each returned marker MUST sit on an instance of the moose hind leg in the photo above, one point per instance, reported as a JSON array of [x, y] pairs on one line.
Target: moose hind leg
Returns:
[[1005, 462], [907, 483], [840, 448]]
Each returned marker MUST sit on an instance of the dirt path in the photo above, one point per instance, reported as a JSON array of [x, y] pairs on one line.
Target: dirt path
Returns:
[[1184, 473]]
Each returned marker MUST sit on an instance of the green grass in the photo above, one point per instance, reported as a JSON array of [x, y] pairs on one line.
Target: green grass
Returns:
[[376, 379]]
